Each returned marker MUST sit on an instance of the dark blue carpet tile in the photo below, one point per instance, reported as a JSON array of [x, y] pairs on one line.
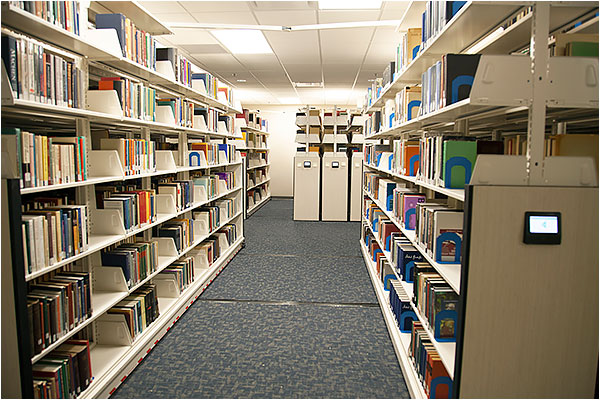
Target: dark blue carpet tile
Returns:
[[276, 208], [293, 278], [278, 236], [239, 350]]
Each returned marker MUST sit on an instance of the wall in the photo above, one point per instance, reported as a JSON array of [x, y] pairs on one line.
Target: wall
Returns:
[[282, 129]]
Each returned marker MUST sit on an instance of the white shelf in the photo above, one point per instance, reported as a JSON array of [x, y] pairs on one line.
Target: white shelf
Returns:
[[259, 166], [141, 17], [458, 194], [259, 184], [97, 180], [450, 272], [98, 242], [446, 350], [111, 364], [257, 205], [400, 341]]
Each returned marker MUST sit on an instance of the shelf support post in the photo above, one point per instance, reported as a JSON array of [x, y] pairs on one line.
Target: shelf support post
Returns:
[[539, 75]]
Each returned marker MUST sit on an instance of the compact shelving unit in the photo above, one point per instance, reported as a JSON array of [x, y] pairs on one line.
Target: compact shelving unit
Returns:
[[506, 95], [258, 166], [114, 356]]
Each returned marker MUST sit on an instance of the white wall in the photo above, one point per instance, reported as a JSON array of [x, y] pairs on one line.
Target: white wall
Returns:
[[282, 130]]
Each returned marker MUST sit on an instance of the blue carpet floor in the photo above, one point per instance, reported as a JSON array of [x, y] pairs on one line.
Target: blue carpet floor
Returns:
[[293, 315]]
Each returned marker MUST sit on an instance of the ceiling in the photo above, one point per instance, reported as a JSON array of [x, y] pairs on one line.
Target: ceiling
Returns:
[[343, 59]]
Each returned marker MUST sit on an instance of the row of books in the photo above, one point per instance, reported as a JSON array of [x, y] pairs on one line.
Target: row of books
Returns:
[[181, 272], [209, 182], [436, 302], [56, 305], [53, 232], [44, 160], [136, 100], [572, 144], [256, 177], [182, 68], [38, 72], [256, 195], [137, 156], [212, 153], [136, 44], [437, 14], [253, 120], [428, 364], [136, 206], [137, 259], [257, 159], [183, 110], [439, 230], [408, 48], [181, 230], [61, 13], [181, 190], [65, 373], [138, 310], [214, 120]]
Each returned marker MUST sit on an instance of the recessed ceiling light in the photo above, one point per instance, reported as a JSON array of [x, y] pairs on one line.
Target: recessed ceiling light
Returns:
[[349, 4], [241, 80], [308, 84], [243, 41]]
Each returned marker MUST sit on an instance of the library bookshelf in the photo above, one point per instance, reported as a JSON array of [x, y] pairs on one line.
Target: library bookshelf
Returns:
[[520, 97], [258, 166], [113, 351]]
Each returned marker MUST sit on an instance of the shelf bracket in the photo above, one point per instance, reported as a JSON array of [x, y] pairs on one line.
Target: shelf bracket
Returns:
[[539, 92]]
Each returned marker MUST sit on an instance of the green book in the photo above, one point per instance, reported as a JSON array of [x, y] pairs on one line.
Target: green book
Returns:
[[11, 154], [458, 160], [582, 49]]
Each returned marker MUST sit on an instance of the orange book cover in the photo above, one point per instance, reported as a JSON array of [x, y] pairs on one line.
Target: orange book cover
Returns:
[[409, 152], [436, 369]]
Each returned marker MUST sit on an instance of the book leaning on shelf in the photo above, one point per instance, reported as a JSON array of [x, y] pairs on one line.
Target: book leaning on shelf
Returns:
[[57, 304], [61, 13], [138, 310], [182, 191], [136, 206], [52, 232], [181, 230], [136, 100], [181, 66], [47, 160], [137, 259], [64, 373], [180, 272], [136, 45], [183, 110], [41, 73], [137, 156]]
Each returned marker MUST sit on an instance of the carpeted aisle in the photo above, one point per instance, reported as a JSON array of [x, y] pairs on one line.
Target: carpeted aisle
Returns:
[[293, 315]]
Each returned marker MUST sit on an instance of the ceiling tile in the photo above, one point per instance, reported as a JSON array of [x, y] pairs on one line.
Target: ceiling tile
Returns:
[[204, 49], [345, 45], [271, 77], [157, 8], [259, 61], [236, 17], [167, 18], [192, 36], [340, 73], [286, 18], [295, 47], [283, 5], [214, 6], [304, 73], [329, 16]]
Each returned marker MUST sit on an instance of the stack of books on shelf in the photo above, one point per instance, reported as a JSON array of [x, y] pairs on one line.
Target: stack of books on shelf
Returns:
[[180, 272], [56, 305], [136, 206], [181, 230], [42, 73], [136, 45], [64, 14], [183, 110], [182, 191], [211, 153], [65, 372], [137, 156], [138, 310], [209, 216], [428, 364], [137, 100], [52, 232], [137, 259], [436, 302]]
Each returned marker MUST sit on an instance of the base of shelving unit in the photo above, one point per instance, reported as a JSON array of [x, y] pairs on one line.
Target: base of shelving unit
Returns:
[[112, 364], [400, 341], [258, 205]]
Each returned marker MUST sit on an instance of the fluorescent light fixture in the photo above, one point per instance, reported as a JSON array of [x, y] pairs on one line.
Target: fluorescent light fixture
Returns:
[[241, 80], [349, 4], [308, 84], [485, 42], [289, 100], [241, 41]]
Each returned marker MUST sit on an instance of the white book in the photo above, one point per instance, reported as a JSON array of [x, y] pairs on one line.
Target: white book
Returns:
[[25, 248], [36, 240], [447, 222]]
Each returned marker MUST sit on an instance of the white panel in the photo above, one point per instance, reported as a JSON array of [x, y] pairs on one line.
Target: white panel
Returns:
[[235, 17], [298, 17], [217, 62], [328, 16], [167, 18], [304, 73], [258, 61], [213, 6], [295, 47], [192, 36], [159, 7], [345, 45], [340, 73], [283, 5], [271, 76]]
